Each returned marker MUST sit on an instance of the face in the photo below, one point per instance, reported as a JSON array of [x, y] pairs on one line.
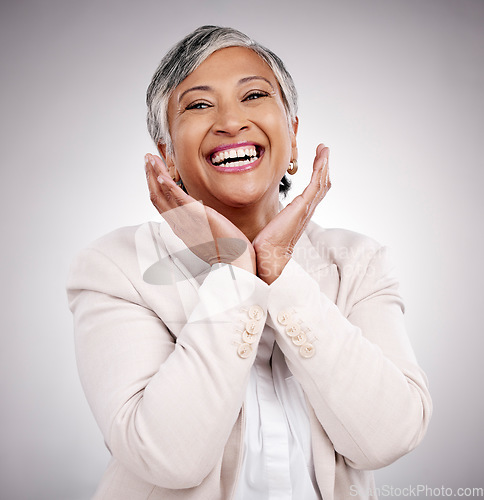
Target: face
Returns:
[[231, 139]]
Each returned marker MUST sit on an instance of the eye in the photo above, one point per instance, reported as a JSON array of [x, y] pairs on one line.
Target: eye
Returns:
[[255, 94], [198, 105]]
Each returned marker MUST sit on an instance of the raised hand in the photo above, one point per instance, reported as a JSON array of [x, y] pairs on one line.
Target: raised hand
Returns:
[[275, 244], [207, 233]]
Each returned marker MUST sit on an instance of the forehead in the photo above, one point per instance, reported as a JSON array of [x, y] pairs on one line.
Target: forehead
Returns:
[[227, 66]]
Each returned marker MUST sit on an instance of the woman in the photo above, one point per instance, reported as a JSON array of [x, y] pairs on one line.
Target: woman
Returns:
[[237, 350]]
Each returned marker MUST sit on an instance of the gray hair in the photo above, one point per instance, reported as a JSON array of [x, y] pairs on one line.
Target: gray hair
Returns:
[[187, 55]]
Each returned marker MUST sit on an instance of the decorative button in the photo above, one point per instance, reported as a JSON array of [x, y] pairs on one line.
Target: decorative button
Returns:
[[283, 317], [256, 312], [307, 350], [293, 329], [249, 338], [299, 339], [244, 350], [253, 326]]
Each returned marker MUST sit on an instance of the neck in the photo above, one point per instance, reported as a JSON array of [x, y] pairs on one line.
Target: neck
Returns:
[[251, 222], [251, 219]]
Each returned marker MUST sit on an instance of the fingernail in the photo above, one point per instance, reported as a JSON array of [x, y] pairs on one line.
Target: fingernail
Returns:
[[152, 161], [160, 179], [146, 159]]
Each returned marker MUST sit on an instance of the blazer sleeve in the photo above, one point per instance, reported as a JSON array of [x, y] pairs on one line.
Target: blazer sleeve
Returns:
[[361, 378], [166, 406]]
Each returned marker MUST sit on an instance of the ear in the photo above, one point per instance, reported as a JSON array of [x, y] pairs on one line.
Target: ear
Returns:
[[169, 161], [293, 133]]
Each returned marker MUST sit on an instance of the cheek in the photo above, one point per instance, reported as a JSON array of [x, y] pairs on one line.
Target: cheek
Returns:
[[276, 124], [284, 142], [187, 139]]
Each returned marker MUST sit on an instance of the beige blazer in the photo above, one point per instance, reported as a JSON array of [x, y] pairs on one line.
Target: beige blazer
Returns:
[[158, 335]]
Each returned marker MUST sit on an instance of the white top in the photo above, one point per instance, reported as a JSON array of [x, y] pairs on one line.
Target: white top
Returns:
[[278, 461]]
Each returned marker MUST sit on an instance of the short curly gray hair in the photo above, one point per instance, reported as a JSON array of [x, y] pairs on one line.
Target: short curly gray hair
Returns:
[[187, 55]]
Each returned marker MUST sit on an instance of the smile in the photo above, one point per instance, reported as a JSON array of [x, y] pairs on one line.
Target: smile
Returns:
[[236, 156]]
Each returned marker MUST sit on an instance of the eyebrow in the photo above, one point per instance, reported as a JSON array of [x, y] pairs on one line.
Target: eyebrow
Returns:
[[240, 82], [250, 78], [191, 89]]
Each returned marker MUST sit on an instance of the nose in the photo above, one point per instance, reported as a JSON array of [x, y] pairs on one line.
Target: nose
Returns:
[[230, 120]]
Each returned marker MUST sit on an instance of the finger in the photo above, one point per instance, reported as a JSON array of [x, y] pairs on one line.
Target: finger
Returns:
[[319, 148], [158, 165], [320, 160], [315, 191], [168, 184], [319, 183], [161, 194], [174, 195], [157, 195], [304, 201], [326, 185], [163, 184]]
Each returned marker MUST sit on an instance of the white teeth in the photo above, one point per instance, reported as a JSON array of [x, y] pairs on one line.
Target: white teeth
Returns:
[[234, 164], [221, 157]]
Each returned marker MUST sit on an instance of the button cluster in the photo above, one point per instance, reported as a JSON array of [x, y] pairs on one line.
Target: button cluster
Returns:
[[253, 326], [298, 337]]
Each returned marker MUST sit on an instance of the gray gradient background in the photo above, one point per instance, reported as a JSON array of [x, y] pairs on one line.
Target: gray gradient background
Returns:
[[393, 87]]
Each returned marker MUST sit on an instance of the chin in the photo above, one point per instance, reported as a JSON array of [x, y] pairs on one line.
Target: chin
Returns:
[[243, 196], [238, 201]]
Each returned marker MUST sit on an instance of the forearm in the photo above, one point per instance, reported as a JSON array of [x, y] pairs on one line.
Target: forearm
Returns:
[[362, 380], [160, 401]]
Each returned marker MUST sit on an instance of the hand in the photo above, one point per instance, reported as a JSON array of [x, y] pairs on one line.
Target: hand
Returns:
[[275, 244], [208, 234]]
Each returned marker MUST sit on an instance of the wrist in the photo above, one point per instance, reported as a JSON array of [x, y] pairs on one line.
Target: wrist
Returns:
[[246, 261]]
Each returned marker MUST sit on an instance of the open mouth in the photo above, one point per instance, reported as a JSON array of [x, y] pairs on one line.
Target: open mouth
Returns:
[[236, 157]]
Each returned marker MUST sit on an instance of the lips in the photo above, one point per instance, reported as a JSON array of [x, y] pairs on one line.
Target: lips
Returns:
[[235, 155]]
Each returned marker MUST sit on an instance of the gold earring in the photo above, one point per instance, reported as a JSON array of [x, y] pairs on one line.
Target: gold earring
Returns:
[[292, 167]]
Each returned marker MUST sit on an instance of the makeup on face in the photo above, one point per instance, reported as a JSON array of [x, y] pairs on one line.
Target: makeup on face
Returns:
[[232, 143]]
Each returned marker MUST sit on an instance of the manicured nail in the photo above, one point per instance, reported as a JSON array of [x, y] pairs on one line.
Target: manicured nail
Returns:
[[152, 161], [160, 179]]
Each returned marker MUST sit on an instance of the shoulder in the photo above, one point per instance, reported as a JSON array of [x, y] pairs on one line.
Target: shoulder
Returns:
[[115, 257], [362, 265], [342, 245], [105, 260], [124, 243], [119, 240]]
